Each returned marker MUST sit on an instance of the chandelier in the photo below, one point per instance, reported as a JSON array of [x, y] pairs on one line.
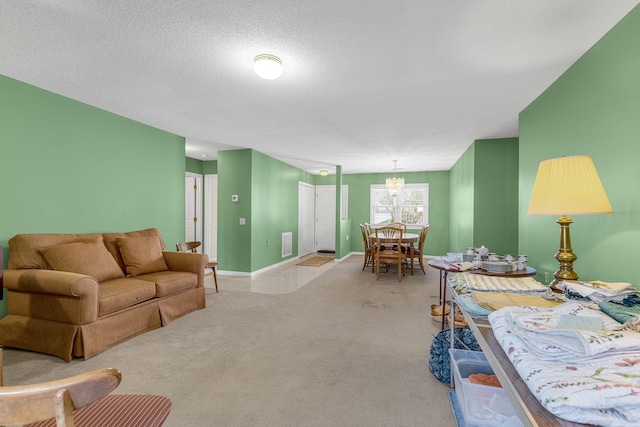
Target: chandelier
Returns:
[[395, 184]]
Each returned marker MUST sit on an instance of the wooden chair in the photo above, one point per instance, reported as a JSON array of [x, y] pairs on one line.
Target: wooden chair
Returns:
[[193, 247], [392, 237], [418, 252], [399, 225], [80, 400], [368, 248]]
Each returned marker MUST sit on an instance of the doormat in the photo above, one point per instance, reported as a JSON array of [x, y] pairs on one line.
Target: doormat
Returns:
[[316, 261]]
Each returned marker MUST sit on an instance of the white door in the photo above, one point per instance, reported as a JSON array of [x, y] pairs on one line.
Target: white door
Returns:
[[211, 216], [306, 209], [193, 207], [326, 218]]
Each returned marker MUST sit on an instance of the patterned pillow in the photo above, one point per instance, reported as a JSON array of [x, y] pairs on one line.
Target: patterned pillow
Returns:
[[142, 255], [89, 258]]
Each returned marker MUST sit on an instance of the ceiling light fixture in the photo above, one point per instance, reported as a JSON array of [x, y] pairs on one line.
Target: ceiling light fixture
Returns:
[[324, 172], [395, 184], [269, 67]]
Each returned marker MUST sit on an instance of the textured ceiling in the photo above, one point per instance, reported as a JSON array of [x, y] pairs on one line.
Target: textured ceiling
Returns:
[[364, 83]]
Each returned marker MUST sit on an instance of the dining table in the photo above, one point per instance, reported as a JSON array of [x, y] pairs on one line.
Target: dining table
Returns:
[[407, 238]]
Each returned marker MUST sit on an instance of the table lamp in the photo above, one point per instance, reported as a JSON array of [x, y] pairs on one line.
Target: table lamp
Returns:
[[567, 186]]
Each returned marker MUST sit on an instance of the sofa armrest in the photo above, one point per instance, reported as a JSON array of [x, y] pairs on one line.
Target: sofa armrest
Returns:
[[51, 282], [187, 261], [53, 295]]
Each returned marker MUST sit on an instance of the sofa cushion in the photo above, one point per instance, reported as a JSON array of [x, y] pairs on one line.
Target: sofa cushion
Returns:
[[142, 255], [25, 249], [118, 294], [111, 241], [170, 282], [88, 258]]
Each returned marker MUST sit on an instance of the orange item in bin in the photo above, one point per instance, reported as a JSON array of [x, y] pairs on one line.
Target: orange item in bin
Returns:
[[485, 379]]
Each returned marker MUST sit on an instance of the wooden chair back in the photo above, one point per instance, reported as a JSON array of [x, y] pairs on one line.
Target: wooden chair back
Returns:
[[187, 246], [25, 404], [423, 237], [389, 250], [365, 237], [399, 225], [389, 230]]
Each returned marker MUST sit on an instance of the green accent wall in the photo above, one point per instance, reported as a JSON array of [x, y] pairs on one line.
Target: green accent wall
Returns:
[[496, 195], [484, 197], [210, 167], [437, 242], [267, 191], [203, 168], [462, 201], [193, 165], [592, 109], [67, 167]]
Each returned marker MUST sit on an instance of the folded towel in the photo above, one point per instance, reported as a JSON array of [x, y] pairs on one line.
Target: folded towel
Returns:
[[546, 338]]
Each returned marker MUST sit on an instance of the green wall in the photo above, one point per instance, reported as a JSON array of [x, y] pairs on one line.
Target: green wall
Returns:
[[496, 195], [462, 202], [234, 240], [484, 197], [268, 200], [209, 167], [67, 167], [437, 242], [592, 109], [193, 165]]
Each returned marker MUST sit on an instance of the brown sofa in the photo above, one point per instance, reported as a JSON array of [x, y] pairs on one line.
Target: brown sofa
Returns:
[[77, 295]]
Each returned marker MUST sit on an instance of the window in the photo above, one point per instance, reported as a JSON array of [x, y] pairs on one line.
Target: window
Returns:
[[410, 206]]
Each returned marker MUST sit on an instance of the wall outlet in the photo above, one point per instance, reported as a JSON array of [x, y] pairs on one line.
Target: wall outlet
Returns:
[[347, 237], [546, 277]]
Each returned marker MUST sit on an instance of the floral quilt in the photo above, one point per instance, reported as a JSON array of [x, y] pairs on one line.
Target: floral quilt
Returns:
[[581, 375]]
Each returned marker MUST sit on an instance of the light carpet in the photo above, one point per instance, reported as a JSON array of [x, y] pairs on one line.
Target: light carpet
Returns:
[[344, 350]]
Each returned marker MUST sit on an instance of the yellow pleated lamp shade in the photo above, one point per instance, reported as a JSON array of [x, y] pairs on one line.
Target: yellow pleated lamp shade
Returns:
[[568, 186]]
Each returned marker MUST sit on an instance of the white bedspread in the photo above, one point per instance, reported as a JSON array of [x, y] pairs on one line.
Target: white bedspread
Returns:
[[583, 376]]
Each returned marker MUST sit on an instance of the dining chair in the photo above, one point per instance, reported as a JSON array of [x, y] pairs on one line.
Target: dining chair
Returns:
[[193, 247], [81, 400], [399, 225], [369, 228], [418, 252], [392, 236], [368, 247]]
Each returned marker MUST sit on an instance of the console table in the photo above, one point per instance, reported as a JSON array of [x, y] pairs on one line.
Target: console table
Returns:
[[444, 271], [528, 408]]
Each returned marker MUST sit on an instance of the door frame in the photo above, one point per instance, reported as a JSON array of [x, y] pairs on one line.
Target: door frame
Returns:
[[198, 206], [210, 246], [312, 216]]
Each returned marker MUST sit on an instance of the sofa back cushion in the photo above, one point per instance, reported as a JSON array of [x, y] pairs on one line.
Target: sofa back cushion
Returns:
[[142, 255], [111, 242], [88, 258], [25, 249]]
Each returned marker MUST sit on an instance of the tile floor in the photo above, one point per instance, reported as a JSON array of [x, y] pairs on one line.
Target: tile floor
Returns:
[[281, 280]]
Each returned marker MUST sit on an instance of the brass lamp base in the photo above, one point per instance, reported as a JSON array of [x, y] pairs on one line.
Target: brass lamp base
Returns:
[[565, 255]]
